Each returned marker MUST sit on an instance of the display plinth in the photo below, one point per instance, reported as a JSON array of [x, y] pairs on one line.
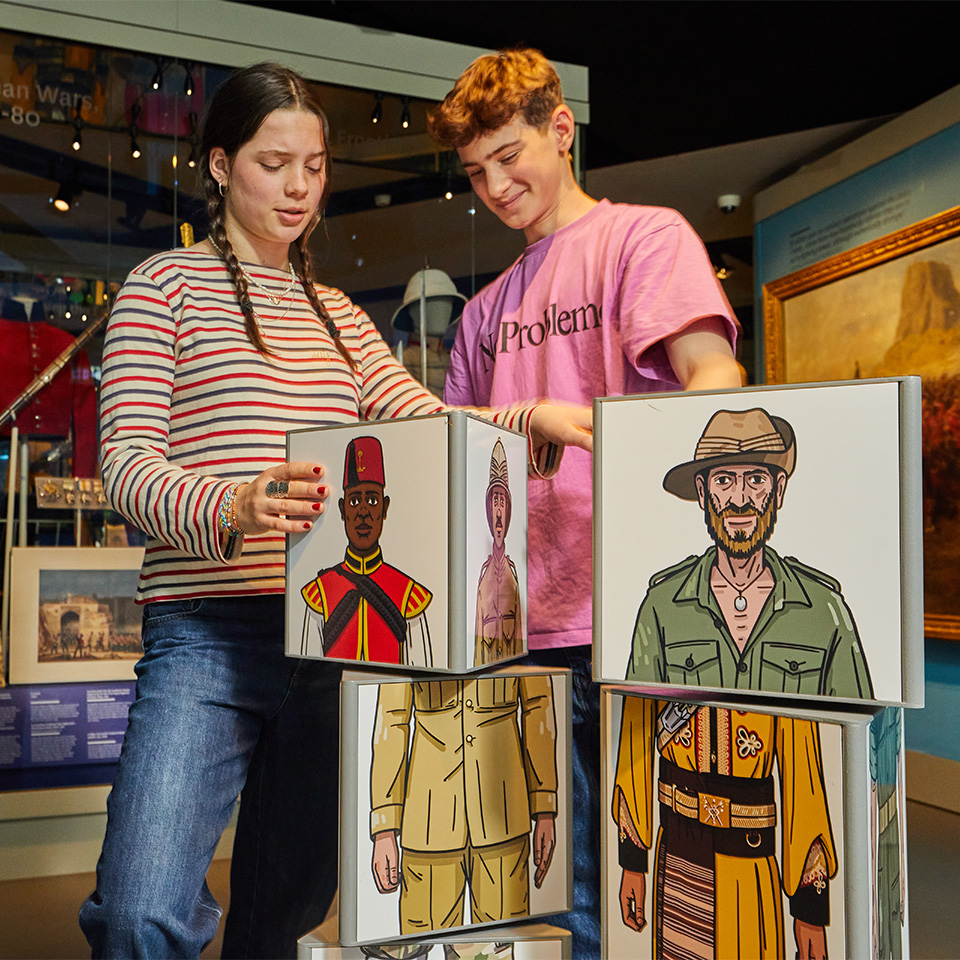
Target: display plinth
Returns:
[[528, 941], [420, 559]]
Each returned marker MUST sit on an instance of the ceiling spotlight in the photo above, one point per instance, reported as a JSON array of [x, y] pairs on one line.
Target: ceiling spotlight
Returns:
[[77, 141], [448, 195], [193, 140], [157, 81], [65, 197], [405, 113], [132, 129], [377, 114], [188, 81]]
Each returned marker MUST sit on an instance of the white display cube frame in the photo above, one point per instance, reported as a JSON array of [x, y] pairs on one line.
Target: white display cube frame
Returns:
[[841, 620], [848, 767], [436, 546], [484, 751], [528, 941]]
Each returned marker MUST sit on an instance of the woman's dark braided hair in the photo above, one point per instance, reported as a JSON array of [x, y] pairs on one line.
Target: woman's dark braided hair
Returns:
[[234, 115]]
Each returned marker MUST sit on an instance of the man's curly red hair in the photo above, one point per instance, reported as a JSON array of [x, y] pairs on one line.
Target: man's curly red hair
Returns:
[[492, 91]]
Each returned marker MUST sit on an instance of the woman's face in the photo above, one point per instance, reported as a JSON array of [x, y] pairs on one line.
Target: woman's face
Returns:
[[274, 182]]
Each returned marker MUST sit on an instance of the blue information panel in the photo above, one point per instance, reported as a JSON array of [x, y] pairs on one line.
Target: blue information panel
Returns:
[[65, 725]]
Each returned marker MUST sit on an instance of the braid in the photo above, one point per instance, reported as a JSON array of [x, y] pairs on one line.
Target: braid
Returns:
[[305, 275], [219, 234]]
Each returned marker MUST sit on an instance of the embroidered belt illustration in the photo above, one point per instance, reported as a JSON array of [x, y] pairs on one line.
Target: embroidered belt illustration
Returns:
[[713, 811]]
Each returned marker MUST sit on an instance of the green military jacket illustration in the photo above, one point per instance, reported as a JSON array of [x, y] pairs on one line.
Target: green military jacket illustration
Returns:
[[804, 641]]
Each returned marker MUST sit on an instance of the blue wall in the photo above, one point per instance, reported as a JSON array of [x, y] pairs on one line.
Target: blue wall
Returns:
[[918, 182]]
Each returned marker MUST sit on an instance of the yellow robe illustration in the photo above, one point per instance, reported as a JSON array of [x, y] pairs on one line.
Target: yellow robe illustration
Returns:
[[728, 904]]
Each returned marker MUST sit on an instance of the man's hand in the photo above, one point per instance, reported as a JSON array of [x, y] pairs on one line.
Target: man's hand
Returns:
[[633, 890], [811, 941], [562, 423], [386, 861], [544, 842]]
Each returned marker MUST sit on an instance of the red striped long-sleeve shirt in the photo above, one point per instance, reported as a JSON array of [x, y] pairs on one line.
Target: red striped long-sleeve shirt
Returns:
[[188, 406]]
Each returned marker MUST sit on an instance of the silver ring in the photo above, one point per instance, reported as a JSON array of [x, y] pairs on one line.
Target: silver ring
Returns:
[[277, 489]]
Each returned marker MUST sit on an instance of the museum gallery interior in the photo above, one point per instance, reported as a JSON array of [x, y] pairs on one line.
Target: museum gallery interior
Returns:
[[814, 766]]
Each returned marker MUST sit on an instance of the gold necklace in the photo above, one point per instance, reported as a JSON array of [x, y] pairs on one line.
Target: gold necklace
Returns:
[[274, 297]]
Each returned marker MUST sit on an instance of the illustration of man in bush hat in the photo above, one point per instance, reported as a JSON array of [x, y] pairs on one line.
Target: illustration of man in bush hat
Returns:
[[499, 627], [362, 608], [740, 615]]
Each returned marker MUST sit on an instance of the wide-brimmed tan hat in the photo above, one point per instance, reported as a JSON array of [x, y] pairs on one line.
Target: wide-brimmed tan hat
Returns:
[[733, 437]]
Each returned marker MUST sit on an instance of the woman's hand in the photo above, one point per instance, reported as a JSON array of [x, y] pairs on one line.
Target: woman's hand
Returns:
[[287, 497], [562, 423]]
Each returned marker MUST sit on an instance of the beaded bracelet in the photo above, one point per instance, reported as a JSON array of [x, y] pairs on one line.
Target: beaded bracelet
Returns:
[[227, 518]]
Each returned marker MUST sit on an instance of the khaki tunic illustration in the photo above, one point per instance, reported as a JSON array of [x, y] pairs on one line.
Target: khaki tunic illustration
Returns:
[[741, 615], [460, 769], [499, 628], [717, 885]]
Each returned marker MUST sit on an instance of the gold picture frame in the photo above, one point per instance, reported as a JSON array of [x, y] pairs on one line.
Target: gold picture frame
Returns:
[[890, 307]]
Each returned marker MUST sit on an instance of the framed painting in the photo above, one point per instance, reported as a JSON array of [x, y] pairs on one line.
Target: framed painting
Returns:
[[73, 615], [890, 307]]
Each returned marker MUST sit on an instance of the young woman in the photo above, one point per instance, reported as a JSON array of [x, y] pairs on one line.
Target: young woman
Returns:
[[212, 354]]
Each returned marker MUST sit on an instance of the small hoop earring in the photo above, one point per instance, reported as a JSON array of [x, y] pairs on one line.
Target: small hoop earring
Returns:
[[222, 188]]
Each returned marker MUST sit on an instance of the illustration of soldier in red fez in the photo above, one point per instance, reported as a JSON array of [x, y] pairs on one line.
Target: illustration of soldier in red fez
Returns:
[[499, 624], [363, 608]]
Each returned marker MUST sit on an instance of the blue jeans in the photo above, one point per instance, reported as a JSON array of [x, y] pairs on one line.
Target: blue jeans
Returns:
[[220, 710], [584, 920]]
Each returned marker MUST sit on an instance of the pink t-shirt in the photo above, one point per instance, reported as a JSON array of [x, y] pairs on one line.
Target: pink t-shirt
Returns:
[[581, 314]]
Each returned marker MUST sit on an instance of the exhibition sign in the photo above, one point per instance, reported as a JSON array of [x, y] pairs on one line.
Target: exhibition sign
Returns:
[[888, 308]]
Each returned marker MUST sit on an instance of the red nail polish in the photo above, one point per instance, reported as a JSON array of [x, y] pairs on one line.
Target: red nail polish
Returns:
[[318, 470], [321, 491], [307, 526], [317, 506]]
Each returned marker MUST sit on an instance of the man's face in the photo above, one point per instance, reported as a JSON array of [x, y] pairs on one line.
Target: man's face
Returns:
[[740, 506], [498, 516], [519, 172], [363, 509]]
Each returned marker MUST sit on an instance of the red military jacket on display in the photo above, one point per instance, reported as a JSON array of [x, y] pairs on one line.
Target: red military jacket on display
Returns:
[[67, 405]]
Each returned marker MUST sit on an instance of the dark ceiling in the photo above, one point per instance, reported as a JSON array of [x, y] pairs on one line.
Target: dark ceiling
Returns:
[[670, 77]]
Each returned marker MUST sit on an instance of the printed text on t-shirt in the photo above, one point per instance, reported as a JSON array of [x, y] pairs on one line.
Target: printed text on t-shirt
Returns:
[[515, 336]]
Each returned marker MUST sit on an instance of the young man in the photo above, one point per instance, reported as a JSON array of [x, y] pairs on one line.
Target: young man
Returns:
[[605, 300]]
